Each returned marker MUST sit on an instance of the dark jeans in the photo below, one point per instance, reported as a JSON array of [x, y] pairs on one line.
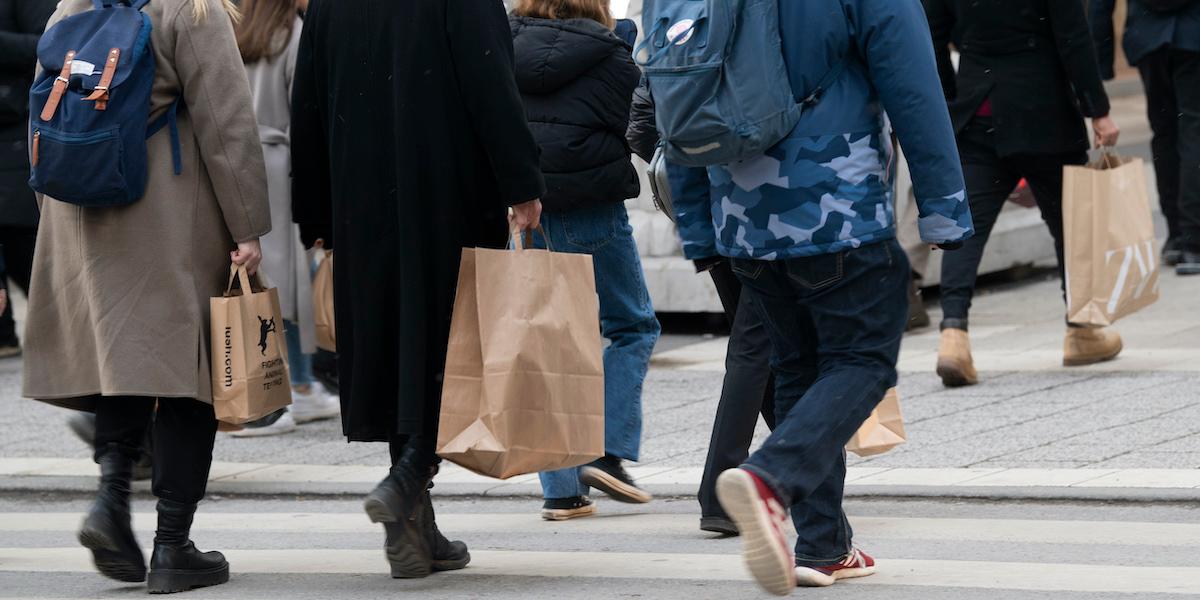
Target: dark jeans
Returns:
[[184, 432], [1171, 78], [18, 243], [748, 390], [990, 179], [835, 323]]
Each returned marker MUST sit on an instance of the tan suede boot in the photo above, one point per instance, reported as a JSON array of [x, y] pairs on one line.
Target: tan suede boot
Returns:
[[1086, 346], [955, 365]]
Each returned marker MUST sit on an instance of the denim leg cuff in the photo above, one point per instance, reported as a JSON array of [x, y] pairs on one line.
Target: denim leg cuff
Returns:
[[810, 561], [954, 324], [784, 498]]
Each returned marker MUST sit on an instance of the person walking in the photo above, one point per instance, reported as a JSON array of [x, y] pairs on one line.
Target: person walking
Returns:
[[1162, 39], [810, 235], [409, 143], [576, 78], [269, 36], [118, 302], [21, 25], [1026, 79]]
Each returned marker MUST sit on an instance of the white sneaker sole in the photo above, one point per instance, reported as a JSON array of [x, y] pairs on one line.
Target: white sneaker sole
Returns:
[[566, 514], [770, 562], [806, 577], [318, 415], [615, 488]]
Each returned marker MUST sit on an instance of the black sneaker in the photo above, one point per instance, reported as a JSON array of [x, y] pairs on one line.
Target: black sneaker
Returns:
[[607, 475], [1172, 252], [1189, 263], [722, 525], [10, 347], [564, 509]]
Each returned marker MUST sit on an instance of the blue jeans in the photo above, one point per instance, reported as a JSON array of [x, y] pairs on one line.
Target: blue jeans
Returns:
[[299, 363], [835, 323], [627, 321]]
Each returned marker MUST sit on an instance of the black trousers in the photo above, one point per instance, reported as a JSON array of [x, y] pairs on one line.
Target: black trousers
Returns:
[[748, 390], [990, 179], [18, 243], [184, 433], [1171, 78]]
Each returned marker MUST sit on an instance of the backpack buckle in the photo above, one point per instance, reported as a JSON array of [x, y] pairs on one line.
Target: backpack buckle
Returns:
[[99, 93], [60, 88]]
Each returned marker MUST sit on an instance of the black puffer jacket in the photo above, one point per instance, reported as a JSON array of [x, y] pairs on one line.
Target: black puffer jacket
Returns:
[[577, 80]]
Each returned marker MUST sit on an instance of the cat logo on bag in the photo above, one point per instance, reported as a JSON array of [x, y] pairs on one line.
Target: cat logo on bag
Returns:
[[1141, 254]]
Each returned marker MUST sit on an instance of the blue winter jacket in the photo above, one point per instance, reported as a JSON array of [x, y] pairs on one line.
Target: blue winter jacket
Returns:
[[827, 187]]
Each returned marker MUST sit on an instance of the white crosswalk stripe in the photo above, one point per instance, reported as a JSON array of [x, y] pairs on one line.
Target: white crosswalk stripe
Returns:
[[325, 551]]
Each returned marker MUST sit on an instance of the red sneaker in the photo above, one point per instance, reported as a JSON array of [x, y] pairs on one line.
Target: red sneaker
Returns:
[[762, 520], [857, 564]]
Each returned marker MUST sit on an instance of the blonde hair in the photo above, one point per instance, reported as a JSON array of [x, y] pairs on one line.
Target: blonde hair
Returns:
[[200, 10], [596, 10]]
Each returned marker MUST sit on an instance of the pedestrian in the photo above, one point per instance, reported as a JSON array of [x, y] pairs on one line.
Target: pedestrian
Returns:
[[118, 305], [1162, 39], [1026, 78], [268, 36], [409, 143], [576, 78], [808, 229], [21, 25]]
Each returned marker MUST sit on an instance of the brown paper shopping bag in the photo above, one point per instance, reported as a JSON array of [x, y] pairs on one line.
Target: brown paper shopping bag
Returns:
[[882, 431], [524, 383], [1112, 262], [322, 290], [249, 354]]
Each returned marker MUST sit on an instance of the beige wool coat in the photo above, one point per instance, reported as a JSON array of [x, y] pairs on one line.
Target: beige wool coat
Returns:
[[119, 299]]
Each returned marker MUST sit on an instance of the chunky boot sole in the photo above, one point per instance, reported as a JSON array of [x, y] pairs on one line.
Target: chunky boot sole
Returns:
[[108, 558], [451, 564], [408, 553], [615, 488], [953, 375], [171, 581]]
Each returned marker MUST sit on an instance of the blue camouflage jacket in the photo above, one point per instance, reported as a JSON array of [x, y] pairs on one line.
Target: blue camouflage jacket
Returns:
[[827, 187]]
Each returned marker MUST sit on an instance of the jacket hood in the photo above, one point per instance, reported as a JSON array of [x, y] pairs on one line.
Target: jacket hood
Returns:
[[552, 53]]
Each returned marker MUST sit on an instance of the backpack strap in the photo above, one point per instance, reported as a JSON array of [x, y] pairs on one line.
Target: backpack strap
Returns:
[[169, 119], [99, 94], [136, 4], [60, 88], [823, 85]]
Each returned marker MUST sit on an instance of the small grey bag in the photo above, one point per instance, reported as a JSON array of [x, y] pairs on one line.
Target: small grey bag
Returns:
[[660, 185]]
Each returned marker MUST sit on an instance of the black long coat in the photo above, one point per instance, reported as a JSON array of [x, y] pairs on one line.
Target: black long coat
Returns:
[[21, 24], [1033, 58], [409, 142]]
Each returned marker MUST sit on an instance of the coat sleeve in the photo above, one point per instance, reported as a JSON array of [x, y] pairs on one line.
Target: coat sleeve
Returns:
[[691, 195], [217, 96], [1074, 43], [642, 134], [18, 49], [894, 38], [941, 26], [1100, 17], [482, 54], [312, 201]]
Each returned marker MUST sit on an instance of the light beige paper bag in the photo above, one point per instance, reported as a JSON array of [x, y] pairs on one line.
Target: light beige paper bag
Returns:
[[322, 290], [883, 430], [524, 383], [1111, 254], [249, 354]]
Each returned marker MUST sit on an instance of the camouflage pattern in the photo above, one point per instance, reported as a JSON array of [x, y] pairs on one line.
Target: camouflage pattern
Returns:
[[809, 196]]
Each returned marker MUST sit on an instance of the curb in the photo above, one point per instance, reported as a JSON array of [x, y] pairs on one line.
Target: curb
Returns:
[[331, 490]]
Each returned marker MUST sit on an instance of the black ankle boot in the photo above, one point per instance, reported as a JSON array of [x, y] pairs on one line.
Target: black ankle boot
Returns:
[[177, 566], [447, 555], [397, 504], [107, 530]]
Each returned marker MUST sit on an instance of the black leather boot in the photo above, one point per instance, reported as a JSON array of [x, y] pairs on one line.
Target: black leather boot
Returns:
[[447, 555], [397, 503], [107, 530], [176, 565]]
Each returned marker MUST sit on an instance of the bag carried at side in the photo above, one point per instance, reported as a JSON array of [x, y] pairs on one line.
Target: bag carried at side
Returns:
[[524, 382], [249, 351], [883, 430], [323, 316], [1110, 247]]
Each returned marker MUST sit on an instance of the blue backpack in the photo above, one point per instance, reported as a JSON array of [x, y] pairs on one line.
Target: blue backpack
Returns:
[[90, 108], [718, 77]]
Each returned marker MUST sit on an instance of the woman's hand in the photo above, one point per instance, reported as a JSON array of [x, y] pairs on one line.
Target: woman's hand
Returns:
[[1106, 130], [248, 254], [526, 216]]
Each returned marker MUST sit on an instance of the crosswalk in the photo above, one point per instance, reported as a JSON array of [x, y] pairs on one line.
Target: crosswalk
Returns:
[[658, 551]]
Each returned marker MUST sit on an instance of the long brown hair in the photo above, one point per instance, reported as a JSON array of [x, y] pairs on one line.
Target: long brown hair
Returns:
[[596, 10], [264, 25]]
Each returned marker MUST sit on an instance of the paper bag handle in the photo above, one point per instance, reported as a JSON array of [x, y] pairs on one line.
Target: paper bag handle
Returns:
[[520, 240], [243, 276], [1109, 158]]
